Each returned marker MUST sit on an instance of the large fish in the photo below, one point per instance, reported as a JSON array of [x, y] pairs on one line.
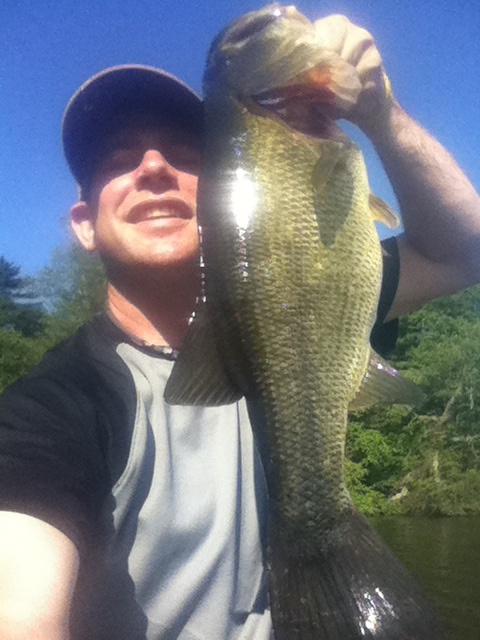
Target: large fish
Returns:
[[293, 268]]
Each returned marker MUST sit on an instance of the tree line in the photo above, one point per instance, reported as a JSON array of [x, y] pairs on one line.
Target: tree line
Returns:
[[37, 313], [399, 460]]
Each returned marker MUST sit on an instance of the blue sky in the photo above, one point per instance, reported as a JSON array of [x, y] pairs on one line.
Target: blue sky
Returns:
[[49, 47]]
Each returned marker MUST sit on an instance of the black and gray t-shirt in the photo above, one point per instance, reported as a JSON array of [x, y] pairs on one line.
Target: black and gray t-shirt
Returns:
[[165, 503]]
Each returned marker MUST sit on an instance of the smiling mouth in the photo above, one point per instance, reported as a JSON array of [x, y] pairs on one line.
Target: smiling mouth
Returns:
[[160, 209]]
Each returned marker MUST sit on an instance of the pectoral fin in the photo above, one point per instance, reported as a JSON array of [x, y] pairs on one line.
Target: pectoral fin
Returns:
[[328, 181], [382, 384], [382, 212]]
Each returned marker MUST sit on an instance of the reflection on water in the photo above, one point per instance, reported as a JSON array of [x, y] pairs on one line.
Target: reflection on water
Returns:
[[444, 555]]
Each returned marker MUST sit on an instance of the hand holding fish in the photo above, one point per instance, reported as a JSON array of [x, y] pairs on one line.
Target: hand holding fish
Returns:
[[357, 47]]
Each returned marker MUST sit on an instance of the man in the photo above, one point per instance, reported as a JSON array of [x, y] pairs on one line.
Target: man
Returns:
[[123, 517]]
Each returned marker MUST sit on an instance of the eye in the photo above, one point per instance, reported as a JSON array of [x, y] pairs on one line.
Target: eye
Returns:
[[118, 163], [248, 28], [184, 158]]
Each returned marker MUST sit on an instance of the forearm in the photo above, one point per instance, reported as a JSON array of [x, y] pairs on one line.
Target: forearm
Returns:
[[439, 206], [13, 629]]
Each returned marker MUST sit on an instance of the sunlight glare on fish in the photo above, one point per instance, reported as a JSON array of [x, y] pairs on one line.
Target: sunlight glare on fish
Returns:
[[244, 198], [373, 606]]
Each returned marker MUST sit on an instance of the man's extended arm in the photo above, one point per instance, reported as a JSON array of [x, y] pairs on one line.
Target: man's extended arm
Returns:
[[38, 570]]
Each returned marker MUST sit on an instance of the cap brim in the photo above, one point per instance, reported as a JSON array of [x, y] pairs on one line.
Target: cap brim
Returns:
[[117, 92]]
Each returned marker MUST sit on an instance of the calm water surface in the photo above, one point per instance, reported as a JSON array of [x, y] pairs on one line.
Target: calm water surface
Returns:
[[444, 555]]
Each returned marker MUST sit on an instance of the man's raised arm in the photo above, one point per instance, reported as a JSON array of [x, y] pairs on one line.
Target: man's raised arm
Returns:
[[440, 248]]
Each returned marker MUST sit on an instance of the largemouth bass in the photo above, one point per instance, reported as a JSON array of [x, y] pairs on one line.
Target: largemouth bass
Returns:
[[293, 267]]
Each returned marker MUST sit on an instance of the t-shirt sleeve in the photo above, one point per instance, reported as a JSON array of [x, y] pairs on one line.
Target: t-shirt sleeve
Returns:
[[52, 463], [384, 334]]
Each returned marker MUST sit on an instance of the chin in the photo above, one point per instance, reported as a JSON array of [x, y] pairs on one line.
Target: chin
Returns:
[[174, 261]]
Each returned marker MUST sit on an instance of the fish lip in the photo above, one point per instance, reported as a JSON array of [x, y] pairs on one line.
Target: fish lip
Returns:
[[170, 208]]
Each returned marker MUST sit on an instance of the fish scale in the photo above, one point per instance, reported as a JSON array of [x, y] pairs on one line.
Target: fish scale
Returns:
[[297, 317]]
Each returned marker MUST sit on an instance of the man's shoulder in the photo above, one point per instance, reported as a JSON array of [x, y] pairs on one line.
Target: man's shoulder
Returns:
[[78, 363], [72, 353], [55, 427]]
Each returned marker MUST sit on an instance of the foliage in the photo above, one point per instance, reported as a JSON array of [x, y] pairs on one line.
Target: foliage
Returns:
[[73, 288], [27, 320], [458, 496], [11, 283], [18, 355], [18, 312], [367, 499], [426, 460]]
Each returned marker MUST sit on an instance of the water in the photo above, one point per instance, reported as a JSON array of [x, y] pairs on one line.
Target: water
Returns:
[[444, 556]]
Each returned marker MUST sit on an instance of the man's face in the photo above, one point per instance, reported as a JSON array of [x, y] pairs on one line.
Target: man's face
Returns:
[[144, 196]]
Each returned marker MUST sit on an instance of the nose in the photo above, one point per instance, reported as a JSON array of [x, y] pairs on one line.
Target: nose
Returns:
[[155, 170]]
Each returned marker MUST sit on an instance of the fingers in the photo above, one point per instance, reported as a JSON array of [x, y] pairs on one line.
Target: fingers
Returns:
[[357, 47], [337, 33], [331, 32]]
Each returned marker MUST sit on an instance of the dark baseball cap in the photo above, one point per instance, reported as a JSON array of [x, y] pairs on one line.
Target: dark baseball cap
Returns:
[[110, 97]]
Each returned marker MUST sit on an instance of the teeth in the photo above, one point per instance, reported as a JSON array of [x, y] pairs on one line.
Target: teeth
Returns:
[[155, 211], [163, 213]]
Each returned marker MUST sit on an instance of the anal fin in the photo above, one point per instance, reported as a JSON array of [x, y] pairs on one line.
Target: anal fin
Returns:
[[382, 384]]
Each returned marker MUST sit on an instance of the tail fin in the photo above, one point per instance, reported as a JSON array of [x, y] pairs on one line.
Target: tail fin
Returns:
[[353, 588]]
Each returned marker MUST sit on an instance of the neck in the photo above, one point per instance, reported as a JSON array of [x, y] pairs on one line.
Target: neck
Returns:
[[154, 309]]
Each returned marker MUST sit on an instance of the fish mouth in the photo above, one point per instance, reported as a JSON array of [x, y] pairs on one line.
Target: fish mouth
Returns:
[[157, 208], [306, 102], [310, 109], [280, 99]]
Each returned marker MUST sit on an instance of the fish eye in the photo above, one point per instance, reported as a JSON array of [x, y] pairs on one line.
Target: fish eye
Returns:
[[253, 26]]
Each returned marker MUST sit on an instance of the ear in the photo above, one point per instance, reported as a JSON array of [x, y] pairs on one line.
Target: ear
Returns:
[[82, 221]]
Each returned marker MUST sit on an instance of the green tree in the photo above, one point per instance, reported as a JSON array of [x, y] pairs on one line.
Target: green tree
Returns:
[[427, 460], [18, 355], [18, 311], [11, 284], [74, 287]]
